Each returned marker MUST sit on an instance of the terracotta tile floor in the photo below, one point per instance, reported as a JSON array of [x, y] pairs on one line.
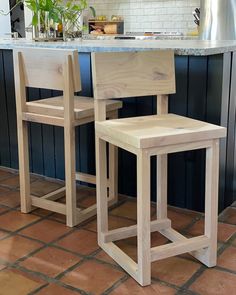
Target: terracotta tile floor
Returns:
[[40, 255]]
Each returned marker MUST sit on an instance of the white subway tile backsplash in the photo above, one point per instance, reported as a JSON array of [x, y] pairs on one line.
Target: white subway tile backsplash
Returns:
[[150, 15]]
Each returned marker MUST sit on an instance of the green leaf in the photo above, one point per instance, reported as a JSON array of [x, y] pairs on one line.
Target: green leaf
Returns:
[[35, 20]]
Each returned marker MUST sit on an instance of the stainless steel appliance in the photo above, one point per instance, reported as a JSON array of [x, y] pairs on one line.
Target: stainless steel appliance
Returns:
[[218, 20]]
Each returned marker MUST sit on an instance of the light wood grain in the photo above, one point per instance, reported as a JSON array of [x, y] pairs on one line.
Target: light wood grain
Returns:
[[48, 205], [209, 255], [55, 195], [43, 67], [131, 231], [159, 130], [22, 134], [69, 143], [162, 108], [102, 206], [83, 107], [129, 74], [176, 248], [143, 218]]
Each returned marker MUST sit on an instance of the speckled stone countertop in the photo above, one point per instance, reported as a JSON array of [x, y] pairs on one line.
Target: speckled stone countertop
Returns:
[[181, 47]]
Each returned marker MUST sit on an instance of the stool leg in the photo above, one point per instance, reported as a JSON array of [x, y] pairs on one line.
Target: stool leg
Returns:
[[102, 202], [211, 202], [113, 168], [143, 219], [23, 150], [161, 186], [69, 137], [113, 172]]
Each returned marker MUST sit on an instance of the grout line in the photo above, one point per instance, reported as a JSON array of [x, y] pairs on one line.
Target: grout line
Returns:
[[38, 289], [116, 284], [220, 268], [71, 268], [165, 283], [194, 277], [46, 278]]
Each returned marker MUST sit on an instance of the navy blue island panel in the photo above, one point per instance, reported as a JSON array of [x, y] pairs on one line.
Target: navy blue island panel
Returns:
[[199, 95]]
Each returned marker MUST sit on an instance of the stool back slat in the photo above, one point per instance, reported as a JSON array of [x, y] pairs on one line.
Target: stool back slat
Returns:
[[43, 68], [133, 74]]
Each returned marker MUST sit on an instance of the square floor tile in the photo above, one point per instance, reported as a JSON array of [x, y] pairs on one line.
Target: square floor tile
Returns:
[[128, 210], [10, 198], [225, 231], [181, 218], [15, 247], [93, 277], [58, 217], [4, 190], [174, 270], [41, 212], [6, 174], [131, 287], [2, 266], [105, 257], [46, 230], [41, 187], [234, 242], [228, 215], [53, 289], [113, 223], [12, 182], [15, 220], [14, 282], [215, 282], [86, 201], [86, 196], [3, 234], [129, 246], [50, 261], [228, 259], [80, 241], [3, 209]]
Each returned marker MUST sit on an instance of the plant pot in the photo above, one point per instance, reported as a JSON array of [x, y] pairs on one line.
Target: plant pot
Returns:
[[72, 28]]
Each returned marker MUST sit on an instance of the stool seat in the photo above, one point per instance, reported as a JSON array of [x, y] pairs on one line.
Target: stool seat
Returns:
[[83, 106], [158, 130]]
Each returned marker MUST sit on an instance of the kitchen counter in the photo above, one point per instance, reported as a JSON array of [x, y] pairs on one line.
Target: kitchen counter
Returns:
[[181, 47]]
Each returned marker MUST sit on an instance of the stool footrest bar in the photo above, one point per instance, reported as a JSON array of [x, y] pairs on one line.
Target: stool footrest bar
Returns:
[[179, 247], [131, 231], [55, 195], [121, 258], [173, 235], [48, 205]]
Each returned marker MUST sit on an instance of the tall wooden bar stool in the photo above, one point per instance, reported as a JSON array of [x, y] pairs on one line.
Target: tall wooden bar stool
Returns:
[[134, 74], [57, 70]]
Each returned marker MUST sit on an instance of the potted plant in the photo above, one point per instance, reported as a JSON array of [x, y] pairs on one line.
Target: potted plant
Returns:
[[47, 14]]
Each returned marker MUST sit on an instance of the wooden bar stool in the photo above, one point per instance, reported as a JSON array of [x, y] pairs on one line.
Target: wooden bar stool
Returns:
[[133, 74], [57, 70]]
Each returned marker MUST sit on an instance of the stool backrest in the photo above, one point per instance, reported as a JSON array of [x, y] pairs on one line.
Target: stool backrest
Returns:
[[45, 68], [133, 74]]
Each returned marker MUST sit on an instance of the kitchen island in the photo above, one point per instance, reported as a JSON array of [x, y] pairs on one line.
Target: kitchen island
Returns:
[[205, 90]]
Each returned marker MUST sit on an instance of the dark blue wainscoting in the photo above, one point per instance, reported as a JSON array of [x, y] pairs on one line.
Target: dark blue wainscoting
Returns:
[[199, 88]]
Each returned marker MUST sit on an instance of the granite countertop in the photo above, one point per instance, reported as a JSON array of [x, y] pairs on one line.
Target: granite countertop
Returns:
[[181, 47]]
